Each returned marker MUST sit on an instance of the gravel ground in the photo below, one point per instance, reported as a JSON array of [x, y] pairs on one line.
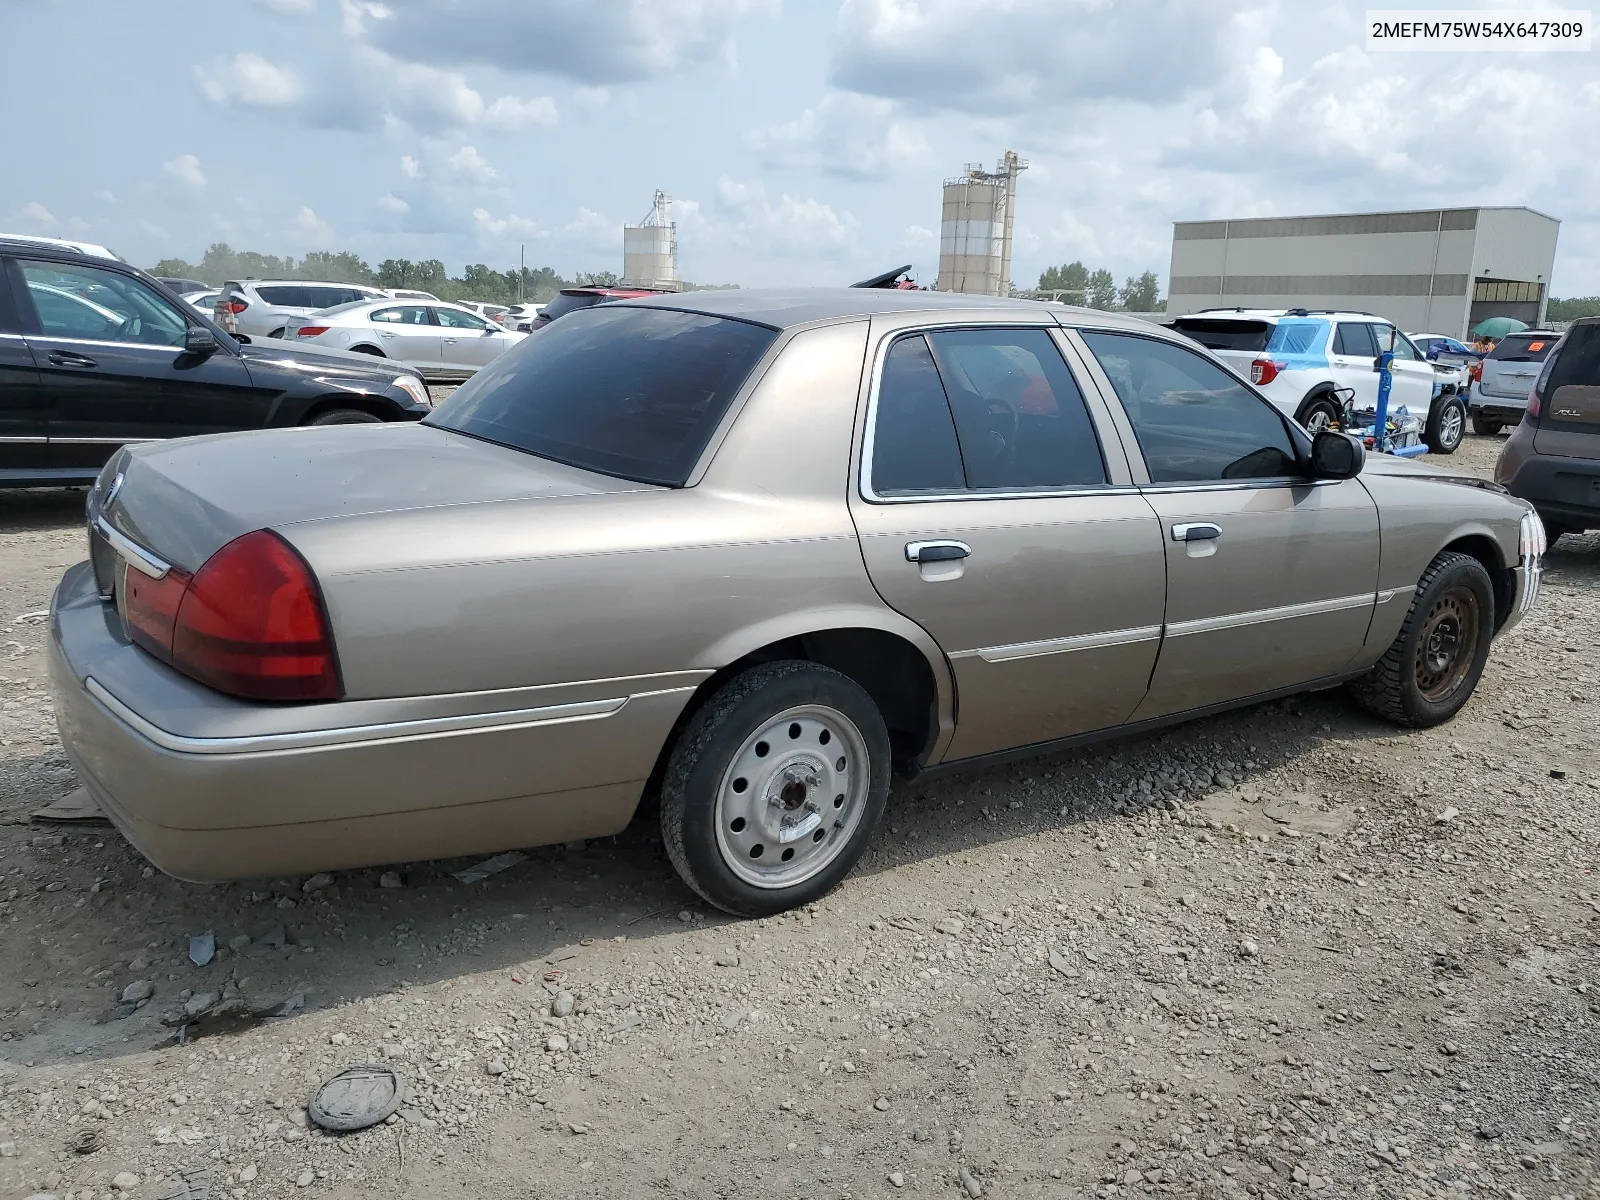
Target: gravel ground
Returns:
[[1284, 951]]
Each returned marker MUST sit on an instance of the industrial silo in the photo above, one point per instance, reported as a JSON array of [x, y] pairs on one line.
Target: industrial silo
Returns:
[[650, 250], [975, 229]]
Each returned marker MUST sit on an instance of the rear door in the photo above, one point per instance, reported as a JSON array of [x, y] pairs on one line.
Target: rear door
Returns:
[[24, 403], [1271, 577], [111, 352], [996, 510], [407, 332], [1353, 357]]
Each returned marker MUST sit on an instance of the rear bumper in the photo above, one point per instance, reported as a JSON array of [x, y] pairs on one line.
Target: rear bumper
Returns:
[[1564, 490], [1507, 409], [212, 808]]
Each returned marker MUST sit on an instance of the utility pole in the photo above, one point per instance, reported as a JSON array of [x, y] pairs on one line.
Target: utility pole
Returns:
[[522, 271]]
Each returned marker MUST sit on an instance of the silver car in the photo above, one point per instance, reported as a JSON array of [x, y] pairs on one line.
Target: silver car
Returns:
[[753, 552], [442, 341], [1499, 395], [263, 307]]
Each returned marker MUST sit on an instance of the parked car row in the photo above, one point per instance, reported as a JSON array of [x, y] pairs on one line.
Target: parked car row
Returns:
[[442, 341], [95, 355]]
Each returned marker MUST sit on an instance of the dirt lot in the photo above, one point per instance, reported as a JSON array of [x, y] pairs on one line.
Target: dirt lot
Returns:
[[1283, 951]]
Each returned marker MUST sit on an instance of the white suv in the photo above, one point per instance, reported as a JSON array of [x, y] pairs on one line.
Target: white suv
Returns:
[[1303, 361], [262, 307]]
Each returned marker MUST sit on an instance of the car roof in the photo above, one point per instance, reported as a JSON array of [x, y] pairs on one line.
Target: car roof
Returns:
[[1270, 314], [297, 283], [35, 242], [785, 308]]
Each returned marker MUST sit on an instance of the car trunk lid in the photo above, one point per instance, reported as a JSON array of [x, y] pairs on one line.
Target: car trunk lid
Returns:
[[1510, 370], [184, 500]]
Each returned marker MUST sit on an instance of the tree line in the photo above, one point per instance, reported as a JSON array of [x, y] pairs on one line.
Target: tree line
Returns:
[[1572, 308], [477, 282], [1077, 284]]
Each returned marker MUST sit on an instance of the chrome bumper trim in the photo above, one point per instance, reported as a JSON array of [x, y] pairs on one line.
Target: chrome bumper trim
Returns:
[[357, 734], [136, 555], [1528, 576]]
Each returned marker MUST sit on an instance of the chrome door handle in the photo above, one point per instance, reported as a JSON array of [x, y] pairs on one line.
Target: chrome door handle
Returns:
[[1196, 531], [930, 552], [385, 333]]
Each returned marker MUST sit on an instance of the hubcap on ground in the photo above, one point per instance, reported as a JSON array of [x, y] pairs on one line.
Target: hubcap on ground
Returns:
[[1448, 643], [792, 796]]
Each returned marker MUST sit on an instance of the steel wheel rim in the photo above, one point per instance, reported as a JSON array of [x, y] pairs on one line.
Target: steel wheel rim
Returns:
[[792, 796], [1318, 420], [1451, 425], [1448, 644]]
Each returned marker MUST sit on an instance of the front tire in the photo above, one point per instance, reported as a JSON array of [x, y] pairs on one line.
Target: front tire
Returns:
[[774, 787], [1485, 426], [1447, 425], [346, 416], [1433, 666]]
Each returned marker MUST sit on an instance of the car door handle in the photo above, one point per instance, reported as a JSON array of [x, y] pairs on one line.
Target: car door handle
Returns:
[[931, 552], [385, 333], [66, 358], [1196, 531], [449, 341]]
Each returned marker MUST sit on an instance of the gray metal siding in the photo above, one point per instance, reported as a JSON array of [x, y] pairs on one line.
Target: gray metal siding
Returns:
[[1320, 285]]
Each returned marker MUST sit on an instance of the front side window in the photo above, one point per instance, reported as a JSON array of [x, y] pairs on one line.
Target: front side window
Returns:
[[86, 303], [1403, 348], [405, 314], [630, 392], [1195, 422], [454, 318]]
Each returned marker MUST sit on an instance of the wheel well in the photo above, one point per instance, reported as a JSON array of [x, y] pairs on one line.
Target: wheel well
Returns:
[[384, 412], [368, 349], [1323, 391], [889, 669], [1487, 552]]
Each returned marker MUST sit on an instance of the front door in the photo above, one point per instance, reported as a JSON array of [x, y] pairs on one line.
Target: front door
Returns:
[[996, 511], [469, 341], [111, 352], [1271, 577], [1413, 375], [1353, 361]]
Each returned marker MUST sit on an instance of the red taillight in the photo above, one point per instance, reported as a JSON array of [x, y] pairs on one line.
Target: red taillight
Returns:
[[150, 608], [1535, 403], [1263, 371], [311, 330], [236, 306]]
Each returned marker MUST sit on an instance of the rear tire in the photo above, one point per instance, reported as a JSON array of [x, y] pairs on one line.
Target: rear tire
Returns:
[[1485, 426], [1434, 664], [345, 416], [1319, 413], [775, 787], [1447, 425]]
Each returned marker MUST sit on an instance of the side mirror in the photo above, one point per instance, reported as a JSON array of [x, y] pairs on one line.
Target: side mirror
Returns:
[[200, 340], [1336, 455]]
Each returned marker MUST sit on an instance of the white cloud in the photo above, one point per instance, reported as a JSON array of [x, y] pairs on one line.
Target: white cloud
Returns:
[[490, 228], [468, 165], [846, 134], [292, 8], [609, 42], [34, 213], [801, 228], [358, 16], [432, 99], [105, 197], [410, 167], [391, 203], [186, 170], [249, 81], [307, 221]]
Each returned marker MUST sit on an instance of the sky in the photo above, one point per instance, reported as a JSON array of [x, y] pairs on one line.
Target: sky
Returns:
[[801, 143]]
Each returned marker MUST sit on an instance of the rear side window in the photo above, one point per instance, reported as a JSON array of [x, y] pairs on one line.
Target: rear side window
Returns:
[[330, 297], [1355, 341], [285, 297], [629, 392], [1521, 347], [405, 314], [1571, 385], [914, 447], [1296, 337], [1195, 422], [1216, 333]]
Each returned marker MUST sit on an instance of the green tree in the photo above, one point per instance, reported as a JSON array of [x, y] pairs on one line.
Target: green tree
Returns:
[[483, 283], [1141, 294], [430, 276], [1101, 291], [597, 279], [175, 268], [1572, 308], [1072, 278], [332, 266], [395, 272]]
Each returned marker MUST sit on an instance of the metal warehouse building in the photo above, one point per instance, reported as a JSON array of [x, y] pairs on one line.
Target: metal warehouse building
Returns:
[[1438, 271]]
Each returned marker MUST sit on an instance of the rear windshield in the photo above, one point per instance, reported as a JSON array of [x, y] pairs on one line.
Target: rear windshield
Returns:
[[1520, 347], [1220, 334], [1571, 384], [629, 392], [566, 302]]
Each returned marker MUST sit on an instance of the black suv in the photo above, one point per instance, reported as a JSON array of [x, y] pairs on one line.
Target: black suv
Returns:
[[94, 354]]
